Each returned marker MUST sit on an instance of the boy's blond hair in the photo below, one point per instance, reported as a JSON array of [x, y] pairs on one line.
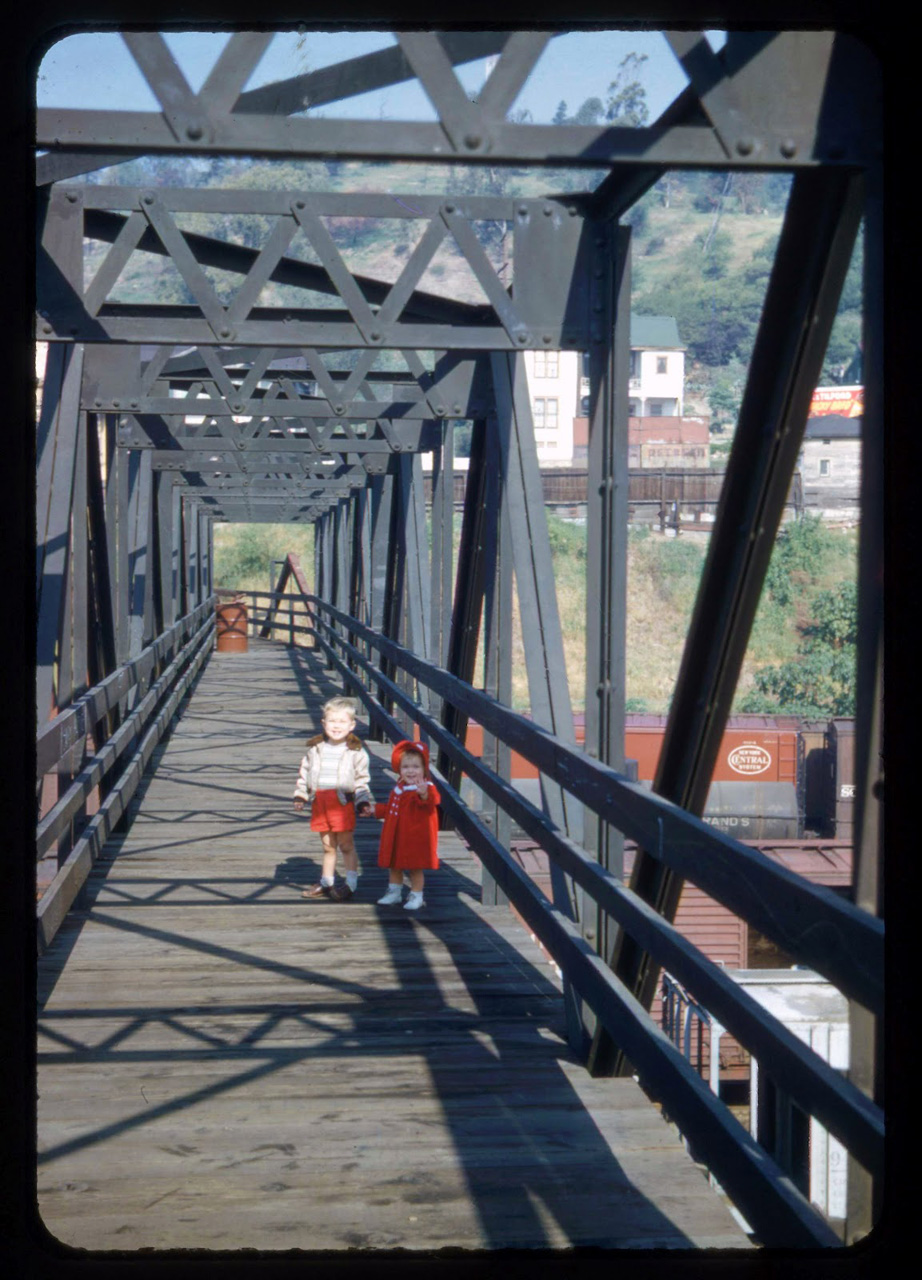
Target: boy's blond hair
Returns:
[[339, 704]]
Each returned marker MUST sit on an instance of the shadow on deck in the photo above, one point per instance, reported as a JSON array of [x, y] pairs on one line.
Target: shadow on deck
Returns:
[[223, 1065]]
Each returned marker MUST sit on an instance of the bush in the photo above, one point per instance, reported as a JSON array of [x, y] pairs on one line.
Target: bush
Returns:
[[820, 681], [802, 553], [243, 554], [567, 539]]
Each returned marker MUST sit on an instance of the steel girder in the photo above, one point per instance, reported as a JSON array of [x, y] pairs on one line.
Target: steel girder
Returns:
[[214, 434], [230, 382], [816, 245], [769, 100], [550, 305], [606, 563]]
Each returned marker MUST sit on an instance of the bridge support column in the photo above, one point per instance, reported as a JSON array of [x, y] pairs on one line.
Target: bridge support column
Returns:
[[416, 570], [57, 449], [442, 524], [606, 554], [549, 692], [169, 524], [464, 634], [866, 1038], [814, 252], [382, 503], [140, 567], [497, 626]]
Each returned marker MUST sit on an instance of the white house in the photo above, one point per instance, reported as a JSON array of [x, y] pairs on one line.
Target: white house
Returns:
[[558, 385], [657, 382], [558, 382], [555, 383]]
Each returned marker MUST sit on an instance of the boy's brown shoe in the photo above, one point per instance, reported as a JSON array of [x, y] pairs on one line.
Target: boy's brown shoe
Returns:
[[318, 890], [340, 893]]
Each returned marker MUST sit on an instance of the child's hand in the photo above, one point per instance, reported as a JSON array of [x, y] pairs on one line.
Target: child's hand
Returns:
[[423, 790], [299, 804], [364, 810]]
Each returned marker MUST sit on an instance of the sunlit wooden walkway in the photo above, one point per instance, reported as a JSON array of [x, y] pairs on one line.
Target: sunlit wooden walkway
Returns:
[[223, 1065]]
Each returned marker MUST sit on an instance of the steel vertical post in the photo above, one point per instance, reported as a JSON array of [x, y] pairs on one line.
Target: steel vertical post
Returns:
[[497, 648], [866, 1040], [102, 650], [548, 689], [606, 546], [416, 558], [56, 456], [139, 549], [814, 251], [469, 589], [442, 524]]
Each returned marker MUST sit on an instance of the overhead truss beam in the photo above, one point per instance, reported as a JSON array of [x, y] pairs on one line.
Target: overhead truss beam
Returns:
[[549, 308]]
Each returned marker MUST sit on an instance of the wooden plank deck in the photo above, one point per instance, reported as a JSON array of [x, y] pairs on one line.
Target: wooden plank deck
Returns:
[[223, 1065]]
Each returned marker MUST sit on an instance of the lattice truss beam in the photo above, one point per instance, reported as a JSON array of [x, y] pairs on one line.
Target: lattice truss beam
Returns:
[[277, 423], [764, 101], [544, 311], [768, 99]]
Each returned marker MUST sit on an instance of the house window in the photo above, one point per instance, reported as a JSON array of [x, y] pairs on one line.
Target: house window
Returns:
[[661, 364], [546, 364], [635, 364], [545, 408], [825, 466], [656, 408]]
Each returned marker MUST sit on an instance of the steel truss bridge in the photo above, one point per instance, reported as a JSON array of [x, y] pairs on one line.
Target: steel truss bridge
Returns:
[[160, 420]]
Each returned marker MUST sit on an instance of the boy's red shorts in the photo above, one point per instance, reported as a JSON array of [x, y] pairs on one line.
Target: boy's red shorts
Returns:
[[327, 814]]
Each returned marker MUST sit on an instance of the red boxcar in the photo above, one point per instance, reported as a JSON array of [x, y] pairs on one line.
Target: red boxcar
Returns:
[[754, 748]]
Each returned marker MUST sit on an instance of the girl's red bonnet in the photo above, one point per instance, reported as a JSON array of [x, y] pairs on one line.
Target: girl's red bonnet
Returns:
[[419, 747]]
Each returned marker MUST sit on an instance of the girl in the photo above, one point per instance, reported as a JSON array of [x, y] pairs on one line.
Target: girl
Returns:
[[334, 779], [409, 838]]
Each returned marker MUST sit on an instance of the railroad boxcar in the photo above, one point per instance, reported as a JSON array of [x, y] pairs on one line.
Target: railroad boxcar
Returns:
[[775, 777]]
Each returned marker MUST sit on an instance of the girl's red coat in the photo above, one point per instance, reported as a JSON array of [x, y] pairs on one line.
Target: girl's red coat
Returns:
[[409, 838]]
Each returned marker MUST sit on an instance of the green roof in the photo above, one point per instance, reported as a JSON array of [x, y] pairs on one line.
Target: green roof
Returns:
[[654, 331]]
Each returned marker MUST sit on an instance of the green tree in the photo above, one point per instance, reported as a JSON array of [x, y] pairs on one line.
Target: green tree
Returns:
[[820, 681], [717, 315], [591, 112], [627, 97], [802, 551], [725, 395]]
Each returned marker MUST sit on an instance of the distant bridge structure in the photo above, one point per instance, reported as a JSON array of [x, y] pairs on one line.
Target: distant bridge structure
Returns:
[[160, 420]]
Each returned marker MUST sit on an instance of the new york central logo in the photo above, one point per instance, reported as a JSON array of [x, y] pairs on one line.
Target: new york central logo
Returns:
[[749, 758]]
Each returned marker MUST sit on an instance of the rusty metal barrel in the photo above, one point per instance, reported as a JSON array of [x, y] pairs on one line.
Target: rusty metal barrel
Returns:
[[231, 626]]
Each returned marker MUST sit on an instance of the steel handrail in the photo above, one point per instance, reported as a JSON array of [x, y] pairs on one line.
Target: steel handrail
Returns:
[[166, 693], [763, 1191], [835, 1101]]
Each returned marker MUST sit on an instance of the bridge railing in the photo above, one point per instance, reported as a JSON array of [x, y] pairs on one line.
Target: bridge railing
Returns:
[[837, 939], [138, 701]]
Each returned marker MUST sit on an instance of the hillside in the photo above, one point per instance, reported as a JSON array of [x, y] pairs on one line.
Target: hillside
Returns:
[[663, 575]]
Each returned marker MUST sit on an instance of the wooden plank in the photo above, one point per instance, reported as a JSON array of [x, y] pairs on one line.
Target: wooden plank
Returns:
[[222, 1064]]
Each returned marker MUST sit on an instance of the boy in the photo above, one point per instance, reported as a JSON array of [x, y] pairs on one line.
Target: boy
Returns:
[[334, 778]]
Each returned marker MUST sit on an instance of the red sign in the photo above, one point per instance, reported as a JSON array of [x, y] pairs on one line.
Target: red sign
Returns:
[[847, 402]]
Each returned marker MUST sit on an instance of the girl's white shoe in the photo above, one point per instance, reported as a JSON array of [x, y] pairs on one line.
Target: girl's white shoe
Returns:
[[392, 897], [413, 902]]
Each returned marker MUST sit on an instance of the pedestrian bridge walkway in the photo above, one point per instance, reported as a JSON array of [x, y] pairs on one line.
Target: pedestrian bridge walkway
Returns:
[[223, 1065]]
